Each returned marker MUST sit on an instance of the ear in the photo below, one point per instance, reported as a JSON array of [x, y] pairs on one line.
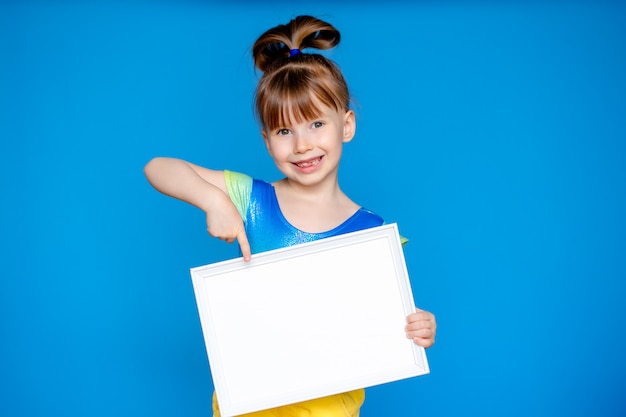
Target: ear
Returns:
[[349, 126], [266, 140]]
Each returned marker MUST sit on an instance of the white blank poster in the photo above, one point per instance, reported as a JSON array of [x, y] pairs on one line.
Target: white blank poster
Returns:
[[307, 321]]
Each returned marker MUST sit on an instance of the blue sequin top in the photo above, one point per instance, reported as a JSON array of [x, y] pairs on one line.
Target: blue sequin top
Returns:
[[267, 228]]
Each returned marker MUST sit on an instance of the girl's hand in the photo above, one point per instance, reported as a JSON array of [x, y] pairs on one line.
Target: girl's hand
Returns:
[[421, 327], [225, 223]]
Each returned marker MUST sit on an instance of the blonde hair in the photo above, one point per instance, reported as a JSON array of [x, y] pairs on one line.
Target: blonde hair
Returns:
[[294, 84]]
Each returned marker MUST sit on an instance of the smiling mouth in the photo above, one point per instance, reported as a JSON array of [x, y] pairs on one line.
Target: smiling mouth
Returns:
[[309, 163]]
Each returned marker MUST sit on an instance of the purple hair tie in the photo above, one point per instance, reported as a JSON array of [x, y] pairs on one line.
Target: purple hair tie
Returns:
[[293, 52]]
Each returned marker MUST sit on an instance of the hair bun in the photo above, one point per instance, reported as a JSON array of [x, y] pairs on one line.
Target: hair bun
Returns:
[[300, 33]]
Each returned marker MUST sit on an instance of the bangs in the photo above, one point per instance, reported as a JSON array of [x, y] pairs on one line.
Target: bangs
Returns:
[[281, 112], [287, 98]]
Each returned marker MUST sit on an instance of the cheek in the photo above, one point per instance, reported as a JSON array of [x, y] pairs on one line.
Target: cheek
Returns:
[[278, 150]]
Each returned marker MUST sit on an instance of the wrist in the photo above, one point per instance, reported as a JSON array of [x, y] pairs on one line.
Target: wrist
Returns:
[[213, 199]]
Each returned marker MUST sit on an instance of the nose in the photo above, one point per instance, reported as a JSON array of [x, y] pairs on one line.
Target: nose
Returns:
[[302, 143]]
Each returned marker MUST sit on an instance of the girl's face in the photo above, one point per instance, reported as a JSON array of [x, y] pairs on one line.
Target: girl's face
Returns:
[[309, 152]]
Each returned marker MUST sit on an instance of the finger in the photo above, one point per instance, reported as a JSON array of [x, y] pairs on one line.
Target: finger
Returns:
[[421, 315], [418, 325], [421, 334], [419, 318], [244, 245], [425, 343]]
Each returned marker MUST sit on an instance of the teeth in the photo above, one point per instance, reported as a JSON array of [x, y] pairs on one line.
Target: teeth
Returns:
[[308, 163]]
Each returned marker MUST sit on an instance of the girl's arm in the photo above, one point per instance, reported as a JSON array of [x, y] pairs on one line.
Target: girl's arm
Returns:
[[203, 188]]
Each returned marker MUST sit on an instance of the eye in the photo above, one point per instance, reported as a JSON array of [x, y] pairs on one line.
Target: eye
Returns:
[[317, 125], [283, 132]]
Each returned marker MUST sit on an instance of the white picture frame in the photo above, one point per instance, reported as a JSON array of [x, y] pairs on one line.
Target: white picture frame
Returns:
[[307, 321]]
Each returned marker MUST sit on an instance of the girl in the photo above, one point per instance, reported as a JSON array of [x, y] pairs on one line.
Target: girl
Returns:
[[302, 102]]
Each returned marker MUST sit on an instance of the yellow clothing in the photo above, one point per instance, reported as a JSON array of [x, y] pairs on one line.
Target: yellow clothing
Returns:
[[347, 404]]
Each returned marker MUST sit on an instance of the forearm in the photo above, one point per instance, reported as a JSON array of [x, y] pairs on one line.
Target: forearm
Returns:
[[177, 178]]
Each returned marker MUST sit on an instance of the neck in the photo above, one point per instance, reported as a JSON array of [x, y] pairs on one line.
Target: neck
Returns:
[[315, 208], [324, 191]]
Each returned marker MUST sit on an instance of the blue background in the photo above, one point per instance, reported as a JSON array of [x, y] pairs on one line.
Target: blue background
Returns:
[[494, 134]]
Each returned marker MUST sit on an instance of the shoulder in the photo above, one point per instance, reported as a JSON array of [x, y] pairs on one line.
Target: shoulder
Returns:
[[242, 188], [371, 216], [371, 219], [234, 177], [361, 219]]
